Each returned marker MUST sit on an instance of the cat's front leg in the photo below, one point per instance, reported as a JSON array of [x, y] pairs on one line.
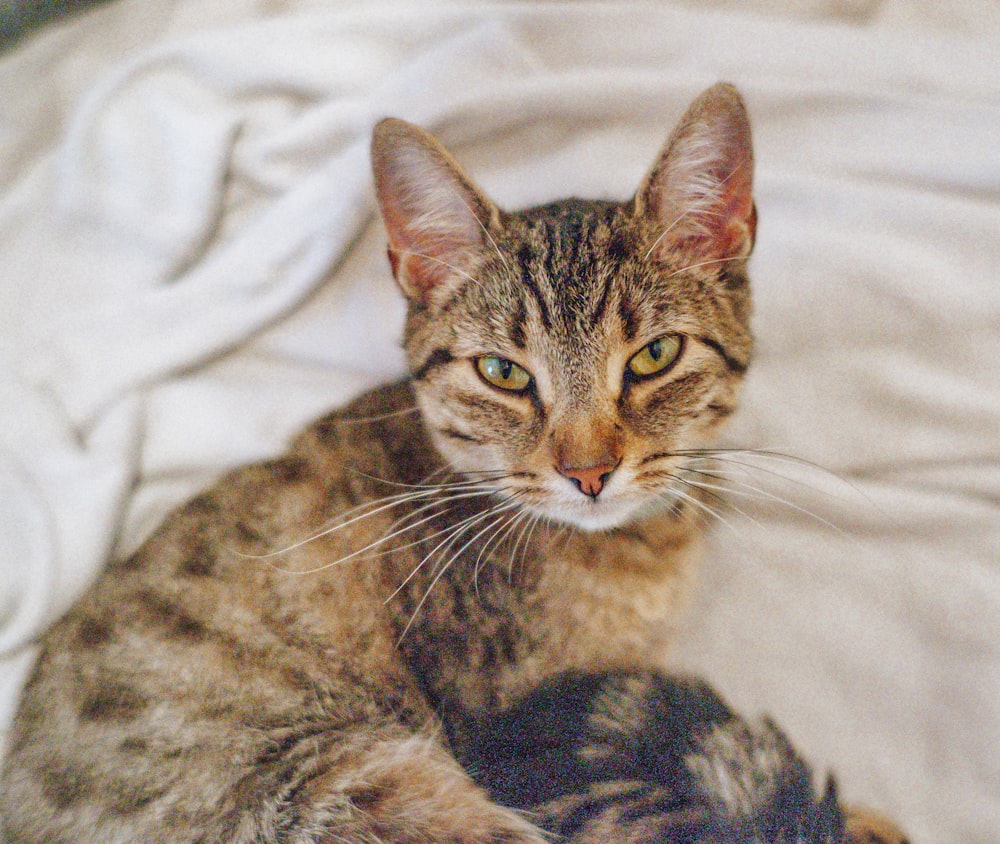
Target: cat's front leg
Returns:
[[409, 790], [375, 785], [300, 782]]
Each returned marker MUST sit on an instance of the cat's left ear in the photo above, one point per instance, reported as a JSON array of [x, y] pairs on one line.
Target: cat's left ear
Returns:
[[699, 193], [436, 218]]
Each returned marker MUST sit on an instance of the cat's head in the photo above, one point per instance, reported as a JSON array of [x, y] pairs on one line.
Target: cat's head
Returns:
[[580, 350]]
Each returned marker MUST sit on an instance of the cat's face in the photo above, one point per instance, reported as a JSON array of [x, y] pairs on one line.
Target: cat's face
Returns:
[[576, 353]]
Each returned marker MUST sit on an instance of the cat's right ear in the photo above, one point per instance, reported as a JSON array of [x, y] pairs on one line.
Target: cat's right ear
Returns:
[[699, 193], [436, 218]]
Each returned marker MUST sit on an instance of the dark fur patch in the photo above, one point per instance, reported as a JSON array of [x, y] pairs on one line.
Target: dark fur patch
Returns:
[[517, 323], [113, 702], [525, 257], [288, 469], [437, 358], [629, 318], [370, 798], [203, 505], [602, 303], [580, 729], [678, 397], [247, 534], [134, 562], [174, 619], [722, 410], [200, 560], [619, 246], [735, 366], [128, 799], [454, 434], [92, 633], [198, 565], [639, 751], [328, 429], [64, 787], [586, 812], [487, 409]]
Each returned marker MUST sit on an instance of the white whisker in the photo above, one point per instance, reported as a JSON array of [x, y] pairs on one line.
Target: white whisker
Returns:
[[701, 505], [451, 267], [496, 538], [449, 533], [663, 234], [358, 420], [486, 231], [468, 523], [530, 528], [465, 482], [702, 264], [754, 492], [380, 505], [382, 539], [433, 494], [748, 468], [713, 489]]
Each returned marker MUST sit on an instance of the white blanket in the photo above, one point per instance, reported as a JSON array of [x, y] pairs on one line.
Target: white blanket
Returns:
[[191, 269]]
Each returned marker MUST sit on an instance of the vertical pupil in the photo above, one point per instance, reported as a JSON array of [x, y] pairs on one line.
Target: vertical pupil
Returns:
[[505, 368], [655, 349]]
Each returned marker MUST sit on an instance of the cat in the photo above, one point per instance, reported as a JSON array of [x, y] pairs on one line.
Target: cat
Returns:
[[441, 615]]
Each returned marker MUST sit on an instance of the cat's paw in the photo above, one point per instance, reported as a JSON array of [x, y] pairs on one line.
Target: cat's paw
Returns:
[[408, 789], [866, 827]]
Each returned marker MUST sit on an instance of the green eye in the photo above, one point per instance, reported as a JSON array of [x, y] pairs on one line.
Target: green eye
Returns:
[[502, 373], [655, 357]]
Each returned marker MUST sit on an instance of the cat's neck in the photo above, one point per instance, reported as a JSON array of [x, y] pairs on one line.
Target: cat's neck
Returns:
[[557, 600]]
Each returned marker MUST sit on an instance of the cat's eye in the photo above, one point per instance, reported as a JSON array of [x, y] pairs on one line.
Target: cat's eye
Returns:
[[655, 357], [502, 373]]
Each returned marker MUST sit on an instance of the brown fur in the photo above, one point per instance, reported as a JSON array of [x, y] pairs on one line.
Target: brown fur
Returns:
[[289, 657]]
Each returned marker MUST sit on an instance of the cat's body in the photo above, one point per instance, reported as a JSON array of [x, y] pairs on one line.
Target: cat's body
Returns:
[[312, 650], [238, 657]]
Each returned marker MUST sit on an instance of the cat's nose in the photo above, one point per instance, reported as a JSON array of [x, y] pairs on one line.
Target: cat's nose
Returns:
[[590, 480]]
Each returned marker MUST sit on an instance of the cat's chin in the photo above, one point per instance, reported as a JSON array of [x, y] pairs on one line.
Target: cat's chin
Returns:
[[599, 516]]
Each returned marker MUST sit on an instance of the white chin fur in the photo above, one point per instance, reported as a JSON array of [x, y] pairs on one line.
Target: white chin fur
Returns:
[[602, 514], [598, 520]]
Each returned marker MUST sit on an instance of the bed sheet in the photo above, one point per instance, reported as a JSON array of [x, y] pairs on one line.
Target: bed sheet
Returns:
[[191, 268]]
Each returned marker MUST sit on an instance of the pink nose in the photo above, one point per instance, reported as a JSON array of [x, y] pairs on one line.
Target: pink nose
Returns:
[[590, 480]]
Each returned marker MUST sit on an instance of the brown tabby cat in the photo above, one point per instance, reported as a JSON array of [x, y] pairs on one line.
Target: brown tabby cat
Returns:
[[439, 617]]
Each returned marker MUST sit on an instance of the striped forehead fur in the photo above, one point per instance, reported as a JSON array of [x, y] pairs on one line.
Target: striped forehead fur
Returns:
[[572, 265]]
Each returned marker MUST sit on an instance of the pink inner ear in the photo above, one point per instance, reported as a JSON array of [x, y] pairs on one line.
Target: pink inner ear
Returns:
[[734, 223], [434, 232], [419, 272], [713, 208], [433, 239]]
